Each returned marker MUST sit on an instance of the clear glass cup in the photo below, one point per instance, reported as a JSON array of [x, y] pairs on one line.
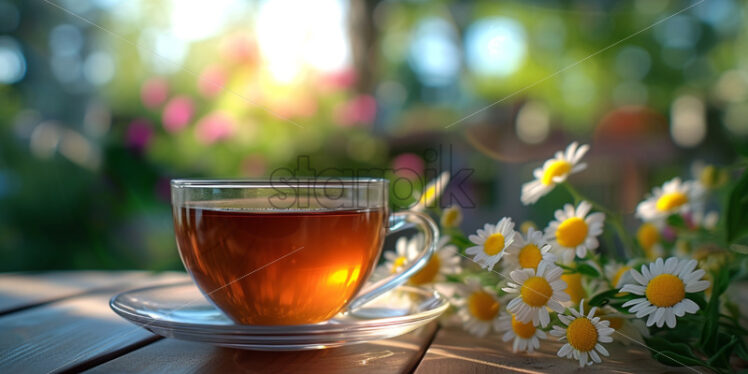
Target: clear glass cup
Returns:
[[290, 251]]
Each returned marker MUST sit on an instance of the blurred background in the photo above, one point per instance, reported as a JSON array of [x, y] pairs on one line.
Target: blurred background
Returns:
[[103, 101]]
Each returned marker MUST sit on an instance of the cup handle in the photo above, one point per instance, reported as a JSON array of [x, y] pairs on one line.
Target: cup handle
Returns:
[[400, 221]]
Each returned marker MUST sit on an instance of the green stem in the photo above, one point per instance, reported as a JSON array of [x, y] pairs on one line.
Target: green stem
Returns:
[[614, 219]]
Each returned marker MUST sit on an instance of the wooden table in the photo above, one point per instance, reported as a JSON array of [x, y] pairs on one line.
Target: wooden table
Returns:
[[61, 322]]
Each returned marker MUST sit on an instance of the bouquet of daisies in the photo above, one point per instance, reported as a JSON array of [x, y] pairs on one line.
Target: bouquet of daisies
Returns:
[[524, 285]]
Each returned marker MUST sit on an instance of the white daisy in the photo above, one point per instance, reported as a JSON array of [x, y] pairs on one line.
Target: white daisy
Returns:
[[664, 285], [673, 197], [584, 333], [618, 273], [526, 336], [527, 251], [444, 261], [554, 171], [433, 191], [479, 307], [575, 232], [538, 291], [491, 242], [451, 217]]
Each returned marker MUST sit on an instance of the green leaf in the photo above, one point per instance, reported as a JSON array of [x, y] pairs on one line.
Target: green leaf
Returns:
[[671, 358], [602, 298], [742, 351], [709, 341], [722, 356], [568, 269], [676, 220], [661, 344], [737, 210], [588, 270]]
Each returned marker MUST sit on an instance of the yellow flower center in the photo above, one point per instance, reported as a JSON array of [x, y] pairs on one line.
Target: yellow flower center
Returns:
[[665, 290], [647, 235], [571, 232], [483, 306], [619, 274], [494, 244], [451, 217], [523, 330], [398, 263], [557, 168], [670, 201], [574, 287], [530, 256], [428, 273], [536, 291], [582, 334]]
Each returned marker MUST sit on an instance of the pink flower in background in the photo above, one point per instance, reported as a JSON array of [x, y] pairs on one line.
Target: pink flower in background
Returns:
[[178, 113], [408, 165], [154, 92], [211, 81], [339, 80], [359, 110], [214, 127], [139, 134]]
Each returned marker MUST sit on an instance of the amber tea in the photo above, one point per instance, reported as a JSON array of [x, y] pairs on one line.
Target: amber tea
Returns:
[[266, 267]]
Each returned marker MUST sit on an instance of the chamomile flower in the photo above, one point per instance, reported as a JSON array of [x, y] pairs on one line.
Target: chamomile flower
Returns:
[[648, 236], [525, 336], [479, 307], [554, 171], [527, 251], [574, 231], [673, 197], [444, 261], [618, 274], [583, 334], [451, 217], [491, 243], [433, 191], [538, 290], [664, 285]]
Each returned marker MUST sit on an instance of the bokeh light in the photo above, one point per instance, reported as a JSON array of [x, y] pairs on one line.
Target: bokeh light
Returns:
[[495, 46], [434, 54], [12, 61]]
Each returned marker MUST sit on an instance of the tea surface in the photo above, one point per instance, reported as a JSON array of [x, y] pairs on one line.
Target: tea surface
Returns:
[[237, 259]]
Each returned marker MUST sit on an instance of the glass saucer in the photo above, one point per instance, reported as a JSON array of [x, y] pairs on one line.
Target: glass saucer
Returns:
[[181, 311]]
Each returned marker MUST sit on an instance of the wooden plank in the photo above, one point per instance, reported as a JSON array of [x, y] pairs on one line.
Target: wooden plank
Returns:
[[397, 355], [455, 351], [73, 333], [20, 291]]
